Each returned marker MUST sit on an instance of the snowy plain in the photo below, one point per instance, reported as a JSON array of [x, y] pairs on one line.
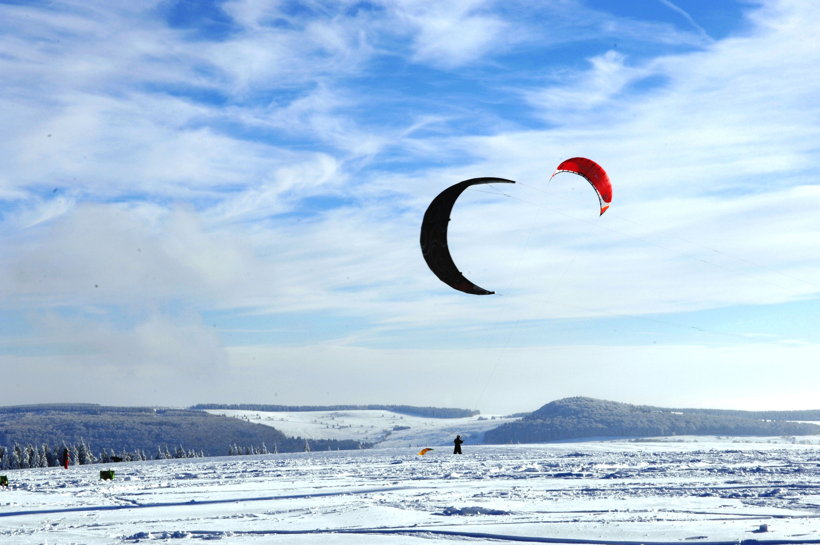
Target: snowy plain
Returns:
[[664, 490]]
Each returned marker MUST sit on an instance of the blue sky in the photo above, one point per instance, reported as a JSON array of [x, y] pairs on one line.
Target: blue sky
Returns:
[[221, 202]]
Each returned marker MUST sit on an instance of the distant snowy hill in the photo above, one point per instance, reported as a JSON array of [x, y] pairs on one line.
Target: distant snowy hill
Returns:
[[378, 427]]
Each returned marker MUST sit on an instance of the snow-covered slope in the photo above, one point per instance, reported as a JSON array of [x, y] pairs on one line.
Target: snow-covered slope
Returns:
[[383, 428]]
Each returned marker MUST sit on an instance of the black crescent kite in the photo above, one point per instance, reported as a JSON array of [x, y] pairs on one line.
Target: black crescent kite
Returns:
[[434, 236]]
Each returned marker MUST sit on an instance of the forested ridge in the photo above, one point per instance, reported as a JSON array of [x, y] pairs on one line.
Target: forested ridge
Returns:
[[409, 410], [135, 429], [582, 417]]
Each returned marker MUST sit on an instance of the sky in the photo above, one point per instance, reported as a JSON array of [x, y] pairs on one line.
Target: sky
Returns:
[[220, 202]]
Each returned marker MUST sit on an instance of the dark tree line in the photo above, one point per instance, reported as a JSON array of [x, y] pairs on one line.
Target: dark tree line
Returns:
[[409, 410], [32, 456]]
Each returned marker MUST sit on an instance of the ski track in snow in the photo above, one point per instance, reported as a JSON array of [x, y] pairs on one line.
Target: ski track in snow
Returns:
[[716, 492]]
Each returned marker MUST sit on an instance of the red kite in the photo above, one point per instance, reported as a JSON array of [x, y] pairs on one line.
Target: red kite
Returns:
[[593, 173]]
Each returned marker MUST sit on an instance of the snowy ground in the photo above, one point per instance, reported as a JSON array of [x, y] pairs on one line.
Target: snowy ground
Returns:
[[688, 491], [384, 428]]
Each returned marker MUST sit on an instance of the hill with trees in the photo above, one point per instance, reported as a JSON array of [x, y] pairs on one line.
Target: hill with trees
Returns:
[[145, 429], [409, 410], [583, 417]]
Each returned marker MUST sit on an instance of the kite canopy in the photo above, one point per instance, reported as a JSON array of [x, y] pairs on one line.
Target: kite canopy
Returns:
[[424, 451], [433, 240], [593, 173]]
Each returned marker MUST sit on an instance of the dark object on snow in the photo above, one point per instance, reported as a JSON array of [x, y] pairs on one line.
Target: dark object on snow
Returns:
[[116, 459], [457, 442], [4, 481], [107, 474], [762, 529]]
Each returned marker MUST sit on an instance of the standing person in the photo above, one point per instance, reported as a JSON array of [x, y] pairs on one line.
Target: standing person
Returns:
[[457, 442], [66, 458]]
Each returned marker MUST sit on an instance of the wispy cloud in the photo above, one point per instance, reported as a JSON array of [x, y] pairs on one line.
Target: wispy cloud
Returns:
[[674, 7], [454, 34]]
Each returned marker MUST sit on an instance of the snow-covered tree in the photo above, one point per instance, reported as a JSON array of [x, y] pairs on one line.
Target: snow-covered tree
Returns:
[[84, 454], [17, 457]]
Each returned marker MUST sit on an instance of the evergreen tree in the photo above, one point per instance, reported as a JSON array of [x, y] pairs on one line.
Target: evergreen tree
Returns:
[[42, 458], [85, 456], [32, 456], [45, 456], [17, 457]]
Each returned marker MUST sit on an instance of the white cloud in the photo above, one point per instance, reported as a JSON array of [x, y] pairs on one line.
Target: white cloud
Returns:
[[274, 50], [117, 254], [453, 34], [573, 99]]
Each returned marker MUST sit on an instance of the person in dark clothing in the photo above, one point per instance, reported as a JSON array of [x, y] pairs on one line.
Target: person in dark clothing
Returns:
[[66, 458], [457, 442]]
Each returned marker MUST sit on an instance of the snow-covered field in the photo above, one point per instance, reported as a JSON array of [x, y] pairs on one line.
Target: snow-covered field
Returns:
[[682, 491], [384, 428]]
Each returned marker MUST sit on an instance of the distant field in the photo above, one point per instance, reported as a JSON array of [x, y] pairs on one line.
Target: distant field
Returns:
[[383, 428]]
